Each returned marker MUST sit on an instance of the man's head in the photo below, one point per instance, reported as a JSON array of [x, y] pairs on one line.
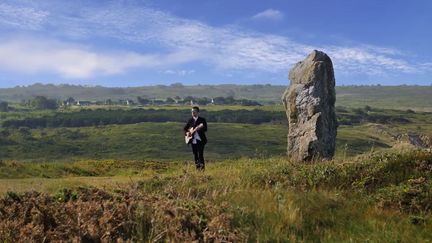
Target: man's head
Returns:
[[195, 111]]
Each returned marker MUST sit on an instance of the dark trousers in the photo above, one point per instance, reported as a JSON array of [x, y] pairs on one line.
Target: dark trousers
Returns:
[[198, 152]]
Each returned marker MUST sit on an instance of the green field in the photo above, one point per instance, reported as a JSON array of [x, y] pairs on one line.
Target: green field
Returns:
[[136, 181], [360, 131], [164, 142]]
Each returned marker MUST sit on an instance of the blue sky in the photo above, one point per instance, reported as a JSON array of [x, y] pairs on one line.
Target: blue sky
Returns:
[[148, 42]]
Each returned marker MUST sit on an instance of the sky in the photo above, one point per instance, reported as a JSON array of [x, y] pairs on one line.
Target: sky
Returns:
[[148, 42]]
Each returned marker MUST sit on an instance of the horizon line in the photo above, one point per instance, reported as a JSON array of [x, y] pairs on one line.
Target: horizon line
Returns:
[[179, 84]]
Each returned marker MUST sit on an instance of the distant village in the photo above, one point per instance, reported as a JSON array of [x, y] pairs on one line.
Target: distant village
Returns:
[[44, 103], [140, 101]]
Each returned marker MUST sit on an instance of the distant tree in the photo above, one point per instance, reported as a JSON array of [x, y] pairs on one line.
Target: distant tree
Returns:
[[177, 85], [247, 102], [157, 102], [224, 100], [203, 101], [4, 106], [108, 102], [41, 102], [169, 100], [143, 101], [189, 99], [25, 102], [219, 100], [177, 99], [230, 100], [70, 101]]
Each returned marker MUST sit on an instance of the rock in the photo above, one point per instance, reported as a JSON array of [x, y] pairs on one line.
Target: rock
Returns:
[[421, 141], [310, 107]]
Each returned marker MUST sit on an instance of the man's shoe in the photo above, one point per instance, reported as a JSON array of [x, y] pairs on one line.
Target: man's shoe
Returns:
[[201, 167]]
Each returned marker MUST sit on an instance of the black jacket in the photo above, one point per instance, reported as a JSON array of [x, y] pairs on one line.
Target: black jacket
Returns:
[[201, 132]]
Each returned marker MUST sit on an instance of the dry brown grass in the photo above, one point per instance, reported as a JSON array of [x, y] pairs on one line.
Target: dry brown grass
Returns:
[[94, 215]]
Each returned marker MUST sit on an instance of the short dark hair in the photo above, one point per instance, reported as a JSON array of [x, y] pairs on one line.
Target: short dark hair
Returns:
[[196, 108]]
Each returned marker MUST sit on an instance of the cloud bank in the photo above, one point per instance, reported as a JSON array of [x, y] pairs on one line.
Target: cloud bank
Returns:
[[75, 61], [170, 41]]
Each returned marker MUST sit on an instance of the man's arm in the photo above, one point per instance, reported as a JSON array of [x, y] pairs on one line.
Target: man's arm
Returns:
[[204, 128], [199, 127]]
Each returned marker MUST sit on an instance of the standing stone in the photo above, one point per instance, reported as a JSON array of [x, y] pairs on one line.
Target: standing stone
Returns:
[[310, 107]]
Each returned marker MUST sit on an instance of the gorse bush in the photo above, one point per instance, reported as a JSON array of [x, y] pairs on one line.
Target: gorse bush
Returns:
[[361, 174]]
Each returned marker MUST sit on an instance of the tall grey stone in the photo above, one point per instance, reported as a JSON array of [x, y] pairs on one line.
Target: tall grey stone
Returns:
[[310, 107]]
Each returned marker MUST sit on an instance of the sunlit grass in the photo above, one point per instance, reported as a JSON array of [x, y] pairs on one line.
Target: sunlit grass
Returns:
[[379, 197]]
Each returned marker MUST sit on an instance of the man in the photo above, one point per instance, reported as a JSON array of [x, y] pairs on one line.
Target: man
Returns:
[[196, 127]]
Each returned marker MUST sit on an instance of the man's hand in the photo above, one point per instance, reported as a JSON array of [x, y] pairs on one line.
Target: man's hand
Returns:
[[198, 127], [191, 130]]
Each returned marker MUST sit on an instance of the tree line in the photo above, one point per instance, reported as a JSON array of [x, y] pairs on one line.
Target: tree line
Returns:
[[87, 117], [44, 103], [97, 117]]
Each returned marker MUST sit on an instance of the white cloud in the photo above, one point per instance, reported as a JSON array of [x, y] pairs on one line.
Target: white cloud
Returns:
[[269, 14], [233, 48], [427, 66], [368, 61], [21, 17], [182, 72], [74, 61], [176, 41]]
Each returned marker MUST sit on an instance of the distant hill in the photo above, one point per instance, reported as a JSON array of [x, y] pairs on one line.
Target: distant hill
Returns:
[[256, 92], [399, 97]]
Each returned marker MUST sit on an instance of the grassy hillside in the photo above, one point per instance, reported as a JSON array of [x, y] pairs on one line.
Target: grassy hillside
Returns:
[[391, 97], [374, 198], [74, 134], [164, 142]]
